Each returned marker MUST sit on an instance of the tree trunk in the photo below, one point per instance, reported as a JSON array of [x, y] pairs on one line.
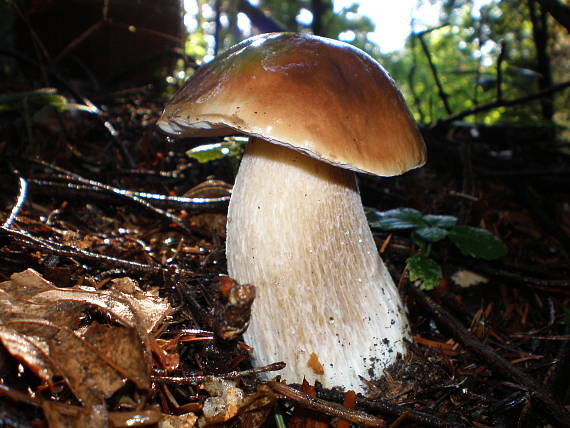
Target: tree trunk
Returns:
[[538, 17]]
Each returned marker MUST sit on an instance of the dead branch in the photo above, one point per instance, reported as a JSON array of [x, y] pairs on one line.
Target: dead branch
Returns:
[[559, 11], [551, 408], [503, 103], [70, 176], [185, 380], [22, 194], [325, 407], [121, 195], [56, 248], [441, 92], [387, 408]]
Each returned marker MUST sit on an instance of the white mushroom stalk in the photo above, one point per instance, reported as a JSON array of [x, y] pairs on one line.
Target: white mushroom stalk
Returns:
[[297, 230], [316, 110]]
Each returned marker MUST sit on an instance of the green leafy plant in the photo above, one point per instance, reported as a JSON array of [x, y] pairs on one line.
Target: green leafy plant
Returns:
[[428, 229], [32, 100], [230, 147]]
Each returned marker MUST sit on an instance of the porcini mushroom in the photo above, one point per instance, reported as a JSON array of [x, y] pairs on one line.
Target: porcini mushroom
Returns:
[[316, 111]]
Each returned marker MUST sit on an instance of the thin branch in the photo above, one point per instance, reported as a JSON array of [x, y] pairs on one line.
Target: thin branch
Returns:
[[325, 407], [56, 248], [98, 113], [185, 380], [411, 80], [217, 26], [504, 103], [559, 11], [431, 30], [260, 21], [189, 204], [552, 409], [22, 194], [521, 278], [386, 407], [500, 59], [441, 92], [78, 40], [541, 39], [119, 192]]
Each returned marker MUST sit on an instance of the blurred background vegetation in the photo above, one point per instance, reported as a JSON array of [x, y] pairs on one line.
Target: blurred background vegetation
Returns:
[[467, 53], [480, 51]]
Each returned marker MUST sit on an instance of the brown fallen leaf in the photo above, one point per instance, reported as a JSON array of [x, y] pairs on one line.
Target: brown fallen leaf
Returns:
[[65, 416], [120, 348], [44, 327]]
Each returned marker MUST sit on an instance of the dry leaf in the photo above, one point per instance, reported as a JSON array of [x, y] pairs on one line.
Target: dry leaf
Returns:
[[65, 416], [44, 327], [120, 348]]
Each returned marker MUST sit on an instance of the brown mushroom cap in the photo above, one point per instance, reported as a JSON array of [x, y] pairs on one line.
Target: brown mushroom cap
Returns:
[[322, 97]]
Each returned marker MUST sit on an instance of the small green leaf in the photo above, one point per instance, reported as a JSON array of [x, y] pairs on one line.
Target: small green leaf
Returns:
[[425, 269], [443, 221], [421, 243], [398, 218], [33, 100], [279, 420], [431, 234], [478, 243], [210, 152]]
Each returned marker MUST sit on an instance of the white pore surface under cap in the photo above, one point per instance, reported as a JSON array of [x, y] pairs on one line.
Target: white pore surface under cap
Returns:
[[297, 231]]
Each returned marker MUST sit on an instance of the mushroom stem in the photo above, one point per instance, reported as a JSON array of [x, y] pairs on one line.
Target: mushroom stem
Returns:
[[297, 231]]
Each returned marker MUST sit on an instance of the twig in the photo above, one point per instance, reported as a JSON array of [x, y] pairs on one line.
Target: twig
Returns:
[[264, 23], [135, 199], [232, 375], [18, 396], [79, 98], [441, 92], [500, 60], [64, 250], [165, 201], [559, 11], [503, 103], [558, 377], [41, 51], [78, 40], [386, 408], [411, 83], [552, 409], [549, 284], [326, 407], [217, 26], [138, 29], [22, 194], [432, 29]]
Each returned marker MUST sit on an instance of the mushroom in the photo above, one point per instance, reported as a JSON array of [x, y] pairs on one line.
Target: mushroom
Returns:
[[316, 110]]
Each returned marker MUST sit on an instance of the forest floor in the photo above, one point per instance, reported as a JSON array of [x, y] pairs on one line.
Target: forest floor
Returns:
[[112, 298]]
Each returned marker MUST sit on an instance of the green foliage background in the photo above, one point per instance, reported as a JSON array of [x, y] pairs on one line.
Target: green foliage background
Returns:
[[465, 50]]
